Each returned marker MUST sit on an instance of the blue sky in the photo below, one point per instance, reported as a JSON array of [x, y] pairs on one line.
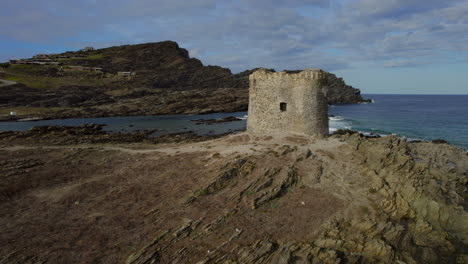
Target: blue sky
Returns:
[[391, 46]]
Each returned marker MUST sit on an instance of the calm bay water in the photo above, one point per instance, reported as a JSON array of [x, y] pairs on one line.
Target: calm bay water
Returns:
[[425, 117], [163, 124]]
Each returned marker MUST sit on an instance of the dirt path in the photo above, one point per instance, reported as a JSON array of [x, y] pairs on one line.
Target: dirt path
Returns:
[[4, 83], [239, 143]]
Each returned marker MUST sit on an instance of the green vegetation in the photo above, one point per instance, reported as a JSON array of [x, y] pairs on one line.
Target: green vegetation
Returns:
[[250, 193], [364, 209], [28, 69], [203, 192], [5, 65], [273, 203], [53, 83], [41, 82], [90, 57], [120, 92]]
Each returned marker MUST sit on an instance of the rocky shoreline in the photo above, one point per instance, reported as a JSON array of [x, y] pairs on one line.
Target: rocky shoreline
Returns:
[[94, 134]]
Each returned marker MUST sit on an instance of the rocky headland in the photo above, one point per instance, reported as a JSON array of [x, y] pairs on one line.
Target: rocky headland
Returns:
[[162, 79], [83, 195]]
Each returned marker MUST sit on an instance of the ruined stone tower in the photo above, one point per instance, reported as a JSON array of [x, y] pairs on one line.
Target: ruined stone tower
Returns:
[[288, 102]]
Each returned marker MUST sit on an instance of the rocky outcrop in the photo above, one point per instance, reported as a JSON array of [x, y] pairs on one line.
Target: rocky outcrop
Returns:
[[161, 65], [418, 192], [93, 134], [167, 81], [338, 92], [406, 205], [166, 65], [242, 198]]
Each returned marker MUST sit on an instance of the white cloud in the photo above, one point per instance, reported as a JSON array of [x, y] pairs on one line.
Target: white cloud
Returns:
[[250, 33]]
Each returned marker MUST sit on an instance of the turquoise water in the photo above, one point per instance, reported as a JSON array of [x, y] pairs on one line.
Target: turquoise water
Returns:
[[425, 117]]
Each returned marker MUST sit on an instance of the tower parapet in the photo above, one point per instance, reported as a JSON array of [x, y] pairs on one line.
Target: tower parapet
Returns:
[[308, 73]]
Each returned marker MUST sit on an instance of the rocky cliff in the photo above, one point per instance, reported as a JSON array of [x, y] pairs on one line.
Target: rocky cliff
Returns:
[[167, 81], [160, 65], [166, 65], [338, 92]]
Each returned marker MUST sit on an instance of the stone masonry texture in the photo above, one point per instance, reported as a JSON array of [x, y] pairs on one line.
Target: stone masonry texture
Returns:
[[288, 102]]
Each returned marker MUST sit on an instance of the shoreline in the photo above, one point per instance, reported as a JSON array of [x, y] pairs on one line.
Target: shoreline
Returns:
[[335, 132]]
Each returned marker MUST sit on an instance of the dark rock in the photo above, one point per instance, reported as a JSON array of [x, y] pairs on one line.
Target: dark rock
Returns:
[[372, 135], [439, 141], [214, 121], [338, 92], [344, 132]]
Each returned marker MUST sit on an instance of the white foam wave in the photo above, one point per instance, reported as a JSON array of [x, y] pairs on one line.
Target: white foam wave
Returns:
[[335, 118], [244, 117], [338, 122]]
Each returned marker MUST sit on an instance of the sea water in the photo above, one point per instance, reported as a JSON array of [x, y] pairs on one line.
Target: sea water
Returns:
[[423, 117], [163, 124]]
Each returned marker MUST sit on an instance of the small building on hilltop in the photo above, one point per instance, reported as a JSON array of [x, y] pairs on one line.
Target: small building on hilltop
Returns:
[[87, 49], [74, 68], [291, 102], [41, 56], [122, 73], [129, 75]]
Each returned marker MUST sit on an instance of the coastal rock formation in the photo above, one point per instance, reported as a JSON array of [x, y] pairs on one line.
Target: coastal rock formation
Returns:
[[282, 102], [94, 134], [338, 92], [167, 81], [241, 198]]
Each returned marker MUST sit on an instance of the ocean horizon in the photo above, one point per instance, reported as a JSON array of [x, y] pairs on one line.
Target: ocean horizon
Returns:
[[412, 116]]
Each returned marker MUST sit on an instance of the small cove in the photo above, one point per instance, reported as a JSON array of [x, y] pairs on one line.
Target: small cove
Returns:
[[425, 117]]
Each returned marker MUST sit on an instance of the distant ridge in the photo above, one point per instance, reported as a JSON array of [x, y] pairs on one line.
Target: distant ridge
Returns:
[[164, 80]]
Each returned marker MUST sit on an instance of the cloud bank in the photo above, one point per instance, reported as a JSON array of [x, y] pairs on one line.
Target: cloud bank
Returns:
[[242, 34]]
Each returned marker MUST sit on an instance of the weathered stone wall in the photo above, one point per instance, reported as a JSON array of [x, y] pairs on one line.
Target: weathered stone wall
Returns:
[[305, 110]]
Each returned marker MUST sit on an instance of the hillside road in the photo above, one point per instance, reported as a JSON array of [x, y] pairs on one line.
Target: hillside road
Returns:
[[6, 83]]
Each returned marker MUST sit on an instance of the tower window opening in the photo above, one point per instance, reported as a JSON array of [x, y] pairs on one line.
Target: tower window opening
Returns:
[[283, 107]]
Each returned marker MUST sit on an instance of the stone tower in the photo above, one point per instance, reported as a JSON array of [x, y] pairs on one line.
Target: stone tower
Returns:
[[288, 102]]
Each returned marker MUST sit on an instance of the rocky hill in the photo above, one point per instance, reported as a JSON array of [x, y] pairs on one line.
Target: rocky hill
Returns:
[[160, 65], [241, 198], [166, 81]]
